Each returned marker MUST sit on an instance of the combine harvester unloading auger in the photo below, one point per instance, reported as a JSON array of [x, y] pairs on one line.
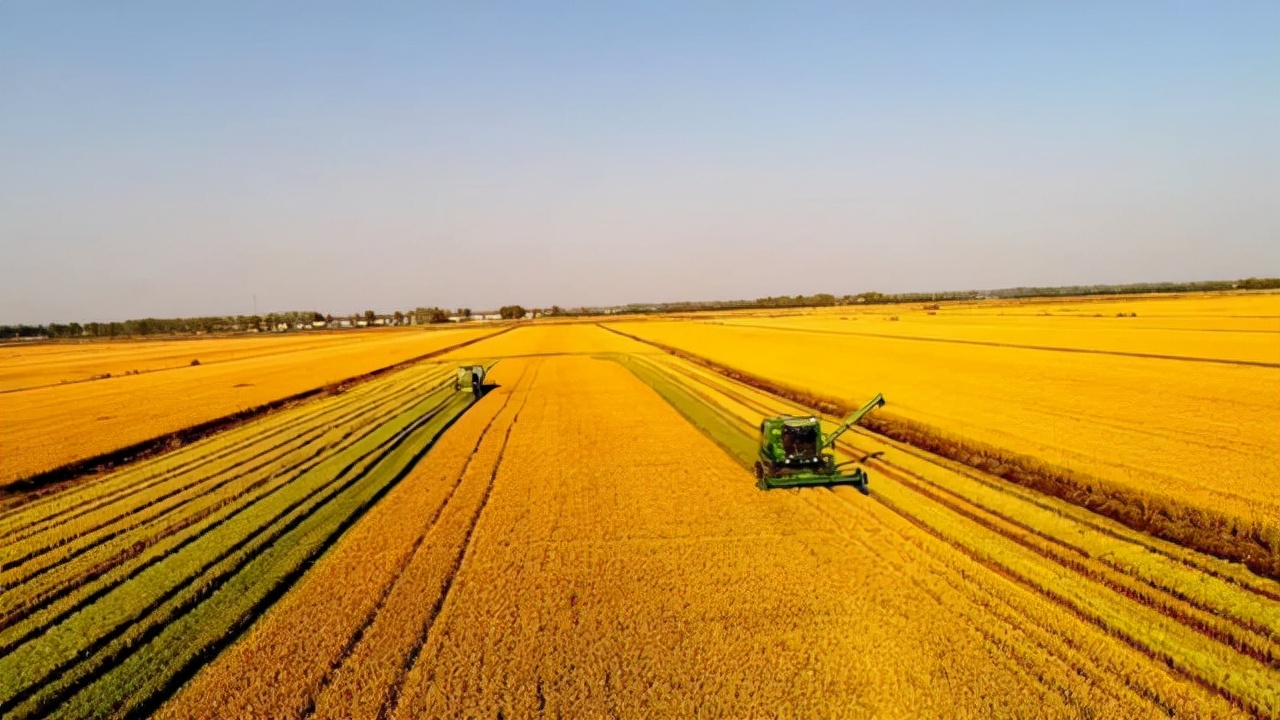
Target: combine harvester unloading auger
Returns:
[[792, 452]]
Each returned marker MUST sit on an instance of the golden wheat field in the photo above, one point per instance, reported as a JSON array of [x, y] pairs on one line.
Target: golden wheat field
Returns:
[[586, 538], [1182, 400], [54, 423]]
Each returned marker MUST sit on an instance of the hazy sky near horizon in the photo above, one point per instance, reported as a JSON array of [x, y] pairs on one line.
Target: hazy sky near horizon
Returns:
[[171, 159]]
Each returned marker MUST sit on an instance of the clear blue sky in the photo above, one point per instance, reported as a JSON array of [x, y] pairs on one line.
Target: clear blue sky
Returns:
[[165, 159]]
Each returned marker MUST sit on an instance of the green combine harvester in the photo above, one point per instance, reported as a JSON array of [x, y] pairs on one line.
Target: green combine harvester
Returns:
[[792, 452], [472, 377]]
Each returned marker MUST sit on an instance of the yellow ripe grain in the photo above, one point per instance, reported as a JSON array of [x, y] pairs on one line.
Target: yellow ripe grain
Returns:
[[625, 566], [46, 427], [370, 677], [1204, 433], [550, 338], [33, 365], [280, 666]]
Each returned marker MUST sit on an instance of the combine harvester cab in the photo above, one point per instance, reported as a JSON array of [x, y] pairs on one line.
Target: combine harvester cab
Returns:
[[793, 453], [470, 377]]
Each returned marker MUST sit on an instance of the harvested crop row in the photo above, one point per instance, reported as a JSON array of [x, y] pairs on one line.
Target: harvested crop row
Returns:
[[149, 675], [104, 566], [371, 675], [197, 457], [650, 577], [74, 653], [1167, 626], [219, 550], [171, 491], [308, 633], [181, 497], [122, 411]]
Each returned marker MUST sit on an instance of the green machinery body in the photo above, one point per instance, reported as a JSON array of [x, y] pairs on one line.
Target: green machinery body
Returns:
[[793, 452], [470, 377]]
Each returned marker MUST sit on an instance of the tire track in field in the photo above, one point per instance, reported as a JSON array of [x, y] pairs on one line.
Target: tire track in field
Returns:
[[154, 698], [333, 414], [227, 553], [392, 700], [410, 556], [95, 657], [1177, 606], [992, 343], [85, 581], [1067, 605]]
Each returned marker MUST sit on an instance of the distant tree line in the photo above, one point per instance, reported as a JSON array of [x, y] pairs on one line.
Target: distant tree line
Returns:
[[433, 315], [877, 298], [163, 326]]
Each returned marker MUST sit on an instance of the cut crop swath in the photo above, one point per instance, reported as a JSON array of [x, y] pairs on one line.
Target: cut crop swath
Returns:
[[254, 551]]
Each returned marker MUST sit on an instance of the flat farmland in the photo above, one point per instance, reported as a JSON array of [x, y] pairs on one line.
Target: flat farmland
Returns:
[[586, 539], [1222, 329], [46, 423], [1184, 412]]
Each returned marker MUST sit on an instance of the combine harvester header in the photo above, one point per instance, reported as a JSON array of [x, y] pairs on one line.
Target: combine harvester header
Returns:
[[792, 451]]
